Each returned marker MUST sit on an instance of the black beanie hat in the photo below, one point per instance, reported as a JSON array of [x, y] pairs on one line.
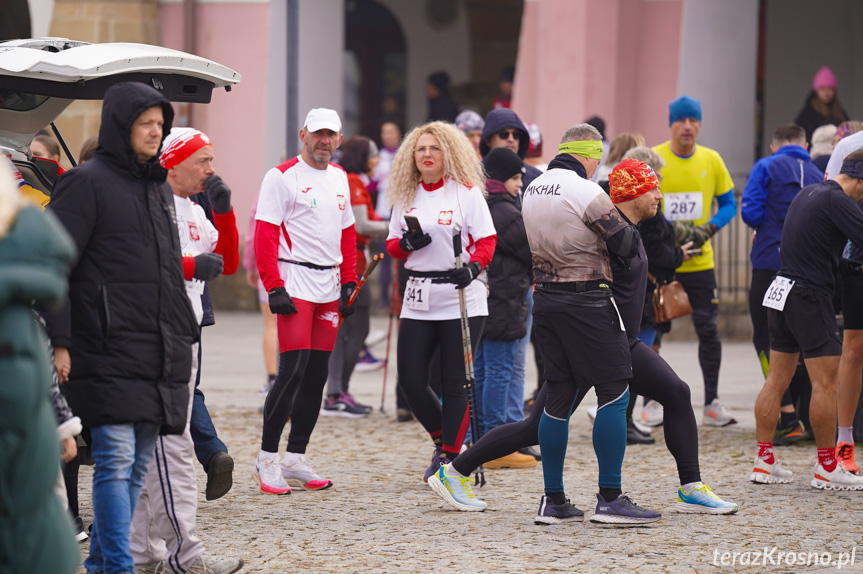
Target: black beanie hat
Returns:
[[502, 163]]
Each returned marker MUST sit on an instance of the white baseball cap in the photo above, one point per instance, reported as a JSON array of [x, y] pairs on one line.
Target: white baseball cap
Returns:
[[323, 119]]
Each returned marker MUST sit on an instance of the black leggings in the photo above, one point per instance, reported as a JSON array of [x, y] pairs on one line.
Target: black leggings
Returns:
[[651, 375], [296, 394], [418, 341]]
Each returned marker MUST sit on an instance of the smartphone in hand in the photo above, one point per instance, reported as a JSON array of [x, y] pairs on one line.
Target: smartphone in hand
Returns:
[[413, 224]]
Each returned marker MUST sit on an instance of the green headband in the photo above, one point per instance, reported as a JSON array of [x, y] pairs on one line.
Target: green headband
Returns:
[[591, 149]]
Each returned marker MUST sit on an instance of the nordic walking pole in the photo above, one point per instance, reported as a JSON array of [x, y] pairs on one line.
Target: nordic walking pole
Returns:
[[393, 296], [470, 382], [371, 267]]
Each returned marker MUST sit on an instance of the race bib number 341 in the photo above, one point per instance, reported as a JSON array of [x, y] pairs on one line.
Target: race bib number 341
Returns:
[[686, 206], [417, 293], [777, 293]]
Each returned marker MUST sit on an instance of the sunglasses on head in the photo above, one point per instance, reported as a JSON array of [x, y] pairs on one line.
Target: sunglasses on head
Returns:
[[504, 134]]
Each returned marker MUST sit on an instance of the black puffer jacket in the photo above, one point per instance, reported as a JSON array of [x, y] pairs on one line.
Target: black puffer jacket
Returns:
[[663, 257], [131, 325], [509, 270]]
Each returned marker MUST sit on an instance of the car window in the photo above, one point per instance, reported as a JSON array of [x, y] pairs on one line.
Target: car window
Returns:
[[20, 101]]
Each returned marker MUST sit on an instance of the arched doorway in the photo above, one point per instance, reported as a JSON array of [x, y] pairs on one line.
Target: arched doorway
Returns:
[[374, 68]]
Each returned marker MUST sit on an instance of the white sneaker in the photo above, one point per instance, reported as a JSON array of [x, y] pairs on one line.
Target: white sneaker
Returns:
[[375, 337], [591, 413], [270, 476], [215, 565], [839, 479], [764, 473], [651, 414], [643, 429], [715, 415], [299, 473]]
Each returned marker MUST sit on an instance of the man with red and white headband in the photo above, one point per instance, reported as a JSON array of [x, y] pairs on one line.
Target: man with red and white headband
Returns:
[[306, 249], [162, 537]]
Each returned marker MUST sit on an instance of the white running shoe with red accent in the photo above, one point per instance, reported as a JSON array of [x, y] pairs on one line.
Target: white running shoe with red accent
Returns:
[[298, 473], [269, 476], [764, 473], [839, 479]]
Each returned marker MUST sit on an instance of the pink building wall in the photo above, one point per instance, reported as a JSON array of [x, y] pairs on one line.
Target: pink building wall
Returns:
[[618, 59], [234, 120]]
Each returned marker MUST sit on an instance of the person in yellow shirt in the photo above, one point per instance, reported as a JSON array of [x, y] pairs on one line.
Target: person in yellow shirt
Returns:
[[693, 177]]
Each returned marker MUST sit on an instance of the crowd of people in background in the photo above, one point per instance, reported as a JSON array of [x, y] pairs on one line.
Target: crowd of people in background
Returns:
[[485, 235]]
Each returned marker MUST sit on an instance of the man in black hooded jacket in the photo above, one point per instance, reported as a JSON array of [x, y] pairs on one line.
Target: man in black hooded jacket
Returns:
[[129, 325]]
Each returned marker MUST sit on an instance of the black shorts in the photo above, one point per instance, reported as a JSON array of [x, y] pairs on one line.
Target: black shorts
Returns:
[[580, 337], [807, 325], [852, 301]]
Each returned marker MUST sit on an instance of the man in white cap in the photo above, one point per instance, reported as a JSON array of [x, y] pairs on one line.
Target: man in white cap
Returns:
[[162, 537], [306, 248]]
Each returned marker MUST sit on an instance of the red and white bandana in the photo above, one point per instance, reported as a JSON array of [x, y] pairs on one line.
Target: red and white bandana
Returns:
[[180, 144]]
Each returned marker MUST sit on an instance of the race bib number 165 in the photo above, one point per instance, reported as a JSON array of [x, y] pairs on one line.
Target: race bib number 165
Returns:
[[777, 293]]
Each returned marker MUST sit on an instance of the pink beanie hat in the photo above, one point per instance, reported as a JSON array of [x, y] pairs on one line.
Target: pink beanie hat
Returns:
[[824, 78]]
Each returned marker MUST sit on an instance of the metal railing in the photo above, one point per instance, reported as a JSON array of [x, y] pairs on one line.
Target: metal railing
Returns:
[[731, 251]]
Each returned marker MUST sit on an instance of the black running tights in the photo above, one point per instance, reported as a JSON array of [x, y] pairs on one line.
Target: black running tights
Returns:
[[296, 394], [651, 375], [418, 341]]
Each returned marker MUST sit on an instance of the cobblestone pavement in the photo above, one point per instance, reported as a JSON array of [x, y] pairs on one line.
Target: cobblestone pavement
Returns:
[[380, 516]]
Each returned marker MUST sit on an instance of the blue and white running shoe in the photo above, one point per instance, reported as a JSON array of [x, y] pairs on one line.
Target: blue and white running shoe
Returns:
[[455, 489], [702, 500]]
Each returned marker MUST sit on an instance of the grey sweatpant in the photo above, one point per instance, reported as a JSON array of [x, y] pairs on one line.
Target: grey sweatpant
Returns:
[[163, 526], [350, 340]]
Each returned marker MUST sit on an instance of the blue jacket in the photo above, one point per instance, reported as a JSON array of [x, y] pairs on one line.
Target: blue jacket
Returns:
[[772, 184]]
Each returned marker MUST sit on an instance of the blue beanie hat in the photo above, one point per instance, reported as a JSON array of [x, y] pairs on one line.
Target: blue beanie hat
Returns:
[[682, 108]]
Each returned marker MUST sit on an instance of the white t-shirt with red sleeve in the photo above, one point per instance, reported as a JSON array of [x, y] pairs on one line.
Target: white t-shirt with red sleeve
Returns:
[[437, 211], [311, 207], [197, 235]]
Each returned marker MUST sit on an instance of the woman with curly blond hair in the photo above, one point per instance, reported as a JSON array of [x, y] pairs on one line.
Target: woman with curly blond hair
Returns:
[[437, 179]]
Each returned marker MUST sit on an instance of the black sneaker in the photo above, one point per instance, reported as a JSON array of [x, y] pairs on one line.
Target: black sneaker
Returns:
[[404, 415], [788, 434], [622, 510], [80, 532], [530, 451], [551, 513], [220, 475], [635, 436]]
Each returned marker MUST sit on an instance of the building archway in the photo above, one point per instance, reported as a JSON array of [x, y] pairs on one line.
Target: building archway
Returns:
[[375, 68]]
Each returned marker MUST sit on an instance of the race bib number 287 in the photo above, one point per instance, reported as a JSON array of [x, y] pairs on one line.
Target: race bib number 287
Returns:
[[686, 206]]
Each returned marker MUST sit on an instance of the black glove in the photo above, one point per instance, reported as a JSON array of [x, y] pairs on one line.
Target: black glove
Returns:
[[413, 240], [208, 266], [849, 267], [703, 232], [347, 290], [219, 192], [461, 277], [280, 302]]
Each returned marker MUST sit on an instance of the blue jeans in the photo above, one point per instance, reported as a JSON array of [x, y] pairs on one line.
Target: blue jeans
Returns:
[[121, 454], [515, 398], [207, 442], [493, 372], [647, 335]]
